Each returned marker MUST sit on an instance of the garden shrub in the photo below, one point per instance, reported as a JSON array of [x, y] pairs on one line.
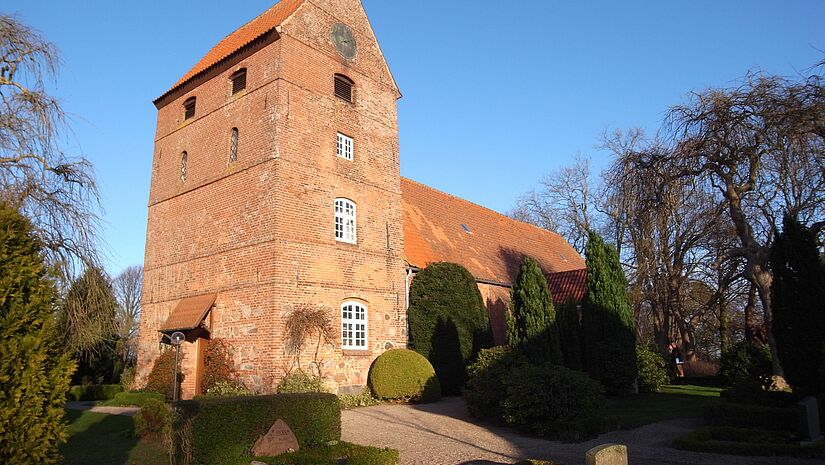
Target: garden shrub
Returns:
[[152, 419], [484, 392], [136, 398], [364, 399], [224, 429], [653, 369], [227, 389], [160, 378], [34, 368], [744, 361], [550, 400], [531, 328], [301, 381], [94, 391], [217, 364], [752, 416], [401, 374], [127, 379], [752, 392], [448, 321]]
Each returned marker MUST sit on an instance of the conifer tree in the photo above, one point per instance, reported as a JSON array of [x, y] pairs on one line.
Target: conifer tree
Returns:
[[610, 339], [798, 293], [531, 329], [34, 370]]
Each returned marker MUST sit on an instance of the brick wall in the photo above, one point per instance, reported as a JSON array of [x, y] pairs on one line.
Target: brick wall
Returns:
[[259, 232]]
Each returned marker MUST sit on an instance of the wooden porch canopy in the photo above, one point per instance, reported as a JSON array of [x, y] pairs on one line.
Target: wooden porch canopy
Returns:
[[189, 313]]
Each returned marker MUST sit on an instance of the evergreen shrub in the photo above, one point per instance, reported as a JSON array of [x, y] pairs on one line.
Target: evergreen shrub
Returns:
[[405, 375], [448, 321], [653, 369], [484, 393], [570, 335], [551, 401], [34, 369], [218, 366], [153, 418], [532, 329], [94, 391], [301, 381], [744, 361], [160, 378], [224, 429]]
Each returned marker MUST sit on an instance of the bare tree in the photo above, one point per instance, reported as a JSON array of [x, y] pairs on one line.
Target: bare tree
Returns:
[[760, 146], [127, 289], [55, 191]]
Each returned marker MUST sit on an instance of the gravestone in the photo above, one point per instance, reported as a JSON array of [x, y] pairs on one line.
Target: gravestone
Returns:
[[277, 440], [606, 454], [809, 429]]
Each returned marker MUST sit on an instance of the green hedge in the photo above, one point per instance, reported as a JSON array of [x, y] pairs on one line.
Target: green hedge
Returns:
[[749, 442], [752, 416], [225, 429], [331, 455], [94, 391], [136, 398]]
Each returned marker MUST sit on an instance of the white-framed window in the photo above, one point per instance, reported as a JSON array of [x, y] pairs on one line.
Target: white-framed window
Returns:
[[353, 325], [344, 147], [345, 220]]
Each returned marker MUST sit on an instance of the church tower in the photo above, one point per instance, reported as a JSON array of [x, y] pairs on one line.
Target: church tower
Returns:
[[276, 188]]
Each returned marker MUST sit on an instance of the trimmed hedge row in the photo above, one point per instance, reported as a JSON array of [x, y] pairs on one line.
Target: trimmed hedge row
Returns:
[[225, 429], [748, 442], [752, 416], [94, 391], [331, 455], [139, 399]]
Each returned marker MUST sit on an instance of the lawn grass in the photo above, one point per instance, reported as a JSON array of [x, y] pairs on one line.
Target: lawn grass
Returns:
[[672, 401], [102, 439]]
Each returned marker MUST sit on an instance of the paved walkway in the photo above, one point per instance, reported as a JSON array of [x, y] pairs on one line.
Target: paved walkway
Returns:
[[90, 406], [443, 433]]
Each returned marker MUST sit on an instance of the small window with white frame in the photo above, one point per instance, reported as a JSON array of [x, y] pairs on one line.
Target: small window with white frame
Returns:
[[344, 146], [354, 326], [345, 221]]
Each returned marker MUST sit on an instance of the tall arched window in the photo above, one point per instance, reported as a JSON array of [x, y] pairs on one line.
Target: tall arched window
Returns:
[[233, 146], [354, 325], [183, 166], [345, 220], [189, 108], [343, 87]]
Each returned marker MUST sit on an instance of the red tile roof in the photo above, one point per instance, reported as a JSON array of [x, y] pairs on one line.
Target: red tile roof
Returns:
[[568, 285], [189, 313], [492, 245], [250, 31]]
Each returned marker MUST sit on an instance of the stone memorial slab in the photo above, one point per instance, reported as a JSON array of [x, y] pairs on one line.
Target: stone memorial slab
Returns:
[[606, 454], [277, 440], [809, 429]]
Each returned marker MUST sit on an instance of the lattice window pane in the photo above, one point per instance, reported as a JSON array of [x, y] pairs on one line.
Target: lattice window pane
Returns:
[[233, 146], [345, 221], [344, 146], [353, 326]]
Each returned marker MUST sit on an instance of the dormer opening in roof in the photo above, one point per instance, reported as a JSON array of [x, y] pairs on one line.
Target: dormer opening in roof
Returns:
[[466, 228]]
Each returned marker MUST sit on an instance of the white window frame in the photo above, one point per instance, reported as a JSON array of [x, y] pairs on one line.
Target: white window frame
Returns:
[[345, 146], [354, 326], [345, 221]]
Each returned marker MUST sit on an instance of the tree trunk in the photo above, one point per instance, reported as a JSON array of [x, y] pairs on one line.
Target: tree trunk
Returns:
[[762, 278], [750, 308]]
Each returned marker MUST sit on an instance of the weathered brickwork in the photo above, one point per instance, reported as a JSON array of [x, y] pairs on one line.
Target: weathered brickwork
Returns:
[[259, 231]]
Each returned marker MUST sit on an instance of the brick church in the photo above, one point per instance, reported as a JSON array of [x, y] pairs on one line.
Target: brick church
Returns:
[[276, 185]]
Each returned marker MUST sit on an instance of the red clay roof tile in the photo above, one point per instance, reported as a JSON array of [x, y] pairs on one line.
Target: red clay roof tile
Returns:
[[250, 31], [189, 313], [439, 227]]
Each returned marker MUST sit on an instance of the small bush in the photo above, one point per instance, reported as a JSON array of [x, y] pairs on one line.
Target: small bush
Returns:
[[127, 378], [160, 378], [484, 393], [227, 389], [217, 364], [94, 391], [153, 418], [752, 392], [746, 361], [136, 398], [401, 374], [752, 416], [301, 381], [224, 429], [331, 455], [653, 369], [546, 400], [364, 399]]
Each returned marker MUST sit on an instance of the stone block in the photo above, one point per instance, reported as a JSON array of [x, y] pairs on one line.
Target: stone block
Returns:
[[606, 454], [809, 428], [277, 440]]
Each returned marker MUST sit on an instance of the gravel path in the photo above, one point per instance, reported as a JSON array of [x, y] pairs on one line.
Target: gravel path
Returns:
[[90, 406], [444, 433]]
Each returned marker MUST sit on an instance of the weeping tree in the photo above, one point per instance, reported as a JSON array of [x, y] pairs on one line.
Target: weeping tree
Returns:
[[610, 338], [34, 370], [798, 293], [532, 329]]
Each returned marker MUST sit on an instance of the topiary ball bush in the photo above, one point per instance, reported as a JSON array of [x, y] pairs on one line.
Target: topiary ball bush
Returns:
[[653, 369], [401, 374]]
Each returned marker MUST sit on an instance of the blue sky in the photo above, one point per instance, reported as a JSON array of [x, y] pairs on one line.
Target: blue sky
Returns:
[[496, 94]]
